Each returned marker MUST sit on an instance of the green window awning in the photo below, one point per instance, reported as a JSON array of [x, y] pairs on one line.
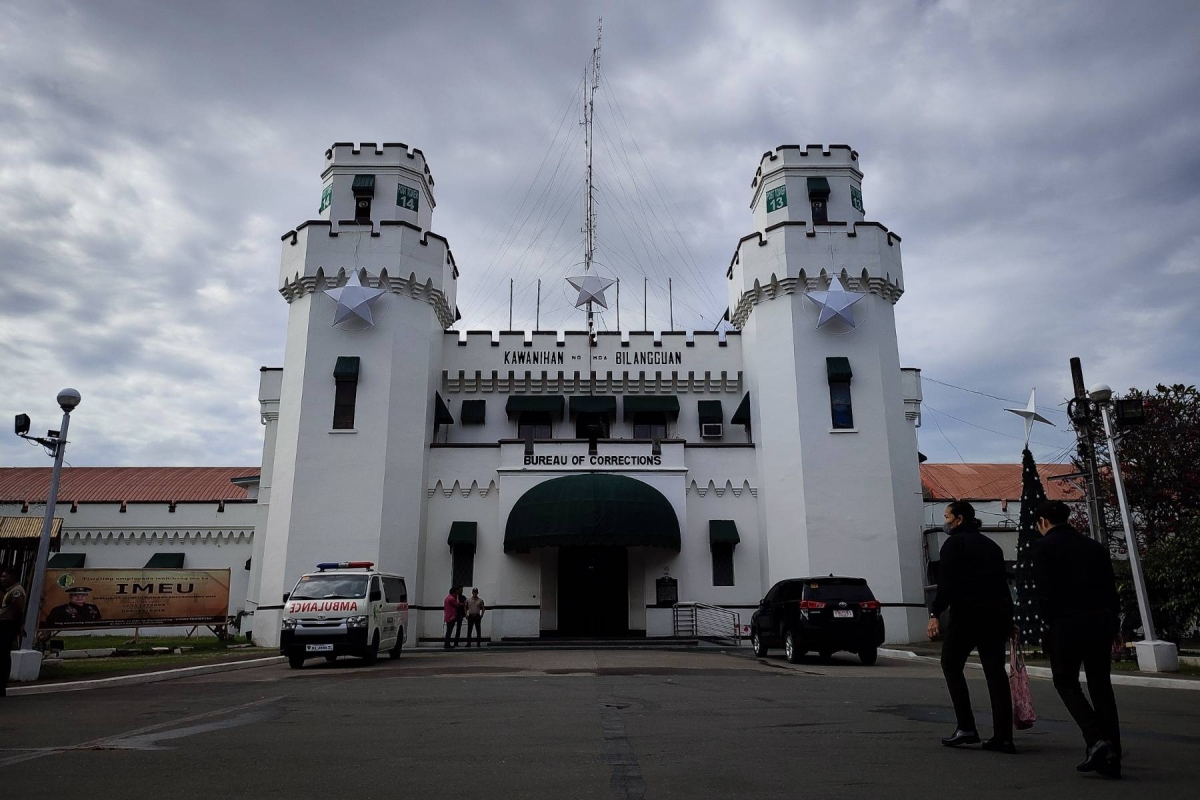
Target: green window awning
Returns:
[[346, 368], [552, 404], [818, 188], [742, 415], [594, 404], [165, 561], [473, 412], [463, 534], [441, 414], [589, 510], [66, 561], [838, 368], [662, 403], [723, 531], [363, 185], [710, 412]]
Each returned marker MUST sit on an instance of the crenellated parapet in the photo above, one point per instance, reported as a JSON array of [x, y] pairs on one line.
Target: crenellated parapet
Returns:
[[812, 156]]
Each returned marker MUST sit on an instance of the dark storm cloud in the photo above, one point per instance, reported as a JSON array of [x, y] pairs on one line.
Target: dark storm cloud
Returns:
[[1040, 161]]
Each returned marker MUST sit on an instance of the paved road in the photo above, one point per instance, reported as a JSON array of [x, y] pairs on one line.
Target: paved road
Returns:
[[576, 724]]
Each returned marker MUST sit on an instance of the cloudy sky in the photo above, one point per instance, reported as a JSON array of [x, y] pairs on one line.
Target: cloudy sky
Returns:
[[1040, 160]]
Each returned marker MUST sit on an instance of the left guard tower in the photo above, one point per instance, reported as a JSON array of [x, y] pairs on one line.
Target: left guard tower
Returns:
[[357, 394]]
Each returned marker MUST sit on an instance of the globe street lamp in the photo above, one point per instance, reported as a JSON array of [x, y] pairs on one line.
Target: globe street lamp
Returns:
[[1153, 655], [56, 441]]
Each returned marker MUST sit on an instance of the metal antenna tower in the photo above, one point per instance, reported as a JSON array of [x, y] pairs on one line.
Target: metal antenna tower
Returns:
[[589, 228]]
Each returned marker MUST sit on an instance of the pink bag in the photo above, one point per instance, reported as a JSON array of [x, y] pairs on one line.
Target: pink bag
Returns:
[[1018, 684]]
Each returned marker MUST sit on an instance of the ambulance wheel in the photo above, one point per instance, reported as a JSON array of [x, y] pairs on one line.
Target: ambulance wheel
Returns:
[[395, 651], [372, 654], [295, 662]]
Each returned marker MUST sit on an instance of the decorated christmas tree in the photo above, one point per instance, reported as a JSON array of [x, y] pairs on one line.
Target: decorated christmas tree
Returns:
[[1032, 496]]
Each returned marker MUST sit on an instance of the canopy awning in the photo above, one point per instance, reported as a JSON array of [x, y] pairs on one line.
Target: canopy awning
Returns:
[[346, 368], [591, 509], [27, 529], [662, 403], [710, 412], [818, 188], [165, 561], [463, 534], [742, 415], [441, 414], [473, 412], [550, 404], [363, 185], [723, 531], [838, 368], [593, 404], [67, 561]]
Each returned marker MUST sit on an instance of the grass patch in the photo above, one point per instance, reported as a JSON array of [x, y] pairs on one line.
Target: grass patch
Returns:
[[100, 642], [85, 668]]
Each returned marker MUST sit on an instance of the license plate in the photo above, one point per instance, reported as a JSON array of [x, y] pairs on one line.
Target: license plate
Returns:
[[319, 648], [843, 613]]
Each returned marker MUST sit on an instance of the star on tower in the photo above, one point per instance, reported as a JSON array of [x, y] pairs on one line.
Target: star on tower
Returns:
[[835, 303], [1030, 415], [354, 300], [591, 289]]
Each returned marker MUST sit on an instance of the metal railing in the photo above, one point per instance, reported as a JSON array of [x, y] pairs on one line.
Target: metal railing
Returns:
[[702, 621]]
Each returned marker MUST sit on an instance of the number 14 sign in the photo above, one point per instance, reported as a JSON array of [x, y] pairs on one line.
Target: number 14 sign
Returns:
[[407, 197]]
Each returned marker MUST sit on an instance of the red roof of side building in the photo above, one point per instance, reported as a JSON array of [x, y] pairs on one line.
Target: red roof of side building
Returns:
[[993, 482], [125, 484]]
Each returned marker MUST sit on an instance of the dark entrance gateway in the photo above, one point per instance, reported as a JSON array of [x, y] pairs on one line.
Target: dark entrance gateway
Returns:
[[593, 592], [592, 518]]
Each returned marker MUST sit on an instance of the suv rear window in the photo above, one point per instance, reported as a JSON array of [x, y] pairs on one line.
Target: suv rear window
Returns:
[[850, 591]]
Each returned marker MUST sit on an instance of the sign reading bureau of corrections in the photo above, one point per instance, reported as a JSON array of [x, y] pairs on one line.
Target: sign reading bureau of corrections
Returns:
[[127, 598]]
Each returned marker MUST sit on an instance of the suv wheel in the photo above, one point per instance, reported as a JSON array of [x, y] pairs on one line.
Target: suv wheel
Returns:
[[791, 648], [756, 643], [295, 662], [395, 651], [372, 654], [868, 656]]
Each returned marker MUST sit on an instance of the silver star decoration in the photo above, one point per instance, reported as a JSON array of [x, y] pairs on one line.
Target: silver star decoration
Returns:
[[1031, 416], [835, 303], [354, 300], [591, 289]]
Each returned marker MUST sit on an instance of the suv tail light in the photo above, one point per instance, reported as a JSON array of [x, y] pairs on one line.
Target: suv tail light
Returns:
[[809, 604], [870, 605]]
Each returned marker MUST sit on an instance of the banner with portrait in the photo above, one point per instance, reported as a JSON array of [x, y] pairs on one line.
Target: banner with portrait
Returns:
[[126, 598]]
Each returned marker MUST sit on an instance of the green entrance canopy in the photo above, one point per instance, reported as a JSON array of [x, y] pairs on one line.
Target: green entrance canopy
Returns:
[[742, 415], [723, 531], [551, 404], [165, 561], [463, 534], [663, 403], [710, 412], [594, 404], [591, 509], [473, 412], [66, 561]]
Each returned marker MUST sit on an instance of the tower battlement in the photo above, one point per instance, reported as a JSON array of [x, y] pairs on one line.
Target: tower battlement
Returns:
[[810, 183], [377, 183], [388, 154], [814, 156]]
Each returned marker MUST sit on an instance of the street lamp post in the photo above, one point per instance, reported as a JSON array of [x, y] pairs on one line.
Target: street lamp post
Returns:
[[68, 399], [1153, 655]]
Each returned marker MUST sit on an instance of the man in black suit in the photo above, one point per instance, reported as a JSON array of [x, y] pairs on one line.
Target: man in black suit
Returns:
[[1077, 597], [973, 586]]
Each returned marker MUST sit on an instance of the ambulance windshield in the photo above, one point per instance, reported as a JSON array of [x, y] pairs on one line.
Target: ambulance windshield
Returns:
[[330, 587]]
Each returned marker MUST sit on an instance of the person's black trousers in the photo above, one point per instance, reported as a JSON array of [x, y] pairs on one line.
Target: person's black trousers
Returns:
[[457, 630], [1087, 643], [474, 623], [989, 640], [8, 632], [449, 633]]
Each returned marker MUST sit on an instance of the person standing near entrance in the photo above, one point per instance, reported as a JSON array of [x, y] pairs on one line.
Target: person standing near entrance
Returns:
[[1077, 596], [973, 586], [475, 609], [450, 611], [12, 616]]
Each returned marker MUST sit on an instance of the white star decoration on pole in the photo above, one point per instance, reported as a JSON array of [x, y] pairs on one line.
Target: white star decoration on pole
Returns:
[[835, 303], [1029, 413], [591, 289], [354, 301]]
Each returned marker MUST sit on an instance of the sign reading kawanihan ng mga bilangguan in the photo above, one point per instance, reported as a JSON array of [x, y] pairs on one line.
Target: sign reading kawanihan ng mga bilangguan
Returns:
[[126, 598]]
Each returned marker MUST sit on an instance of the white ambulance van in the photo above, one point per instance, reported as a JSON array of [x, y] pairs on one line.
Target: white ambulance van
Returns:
[[345, 608]]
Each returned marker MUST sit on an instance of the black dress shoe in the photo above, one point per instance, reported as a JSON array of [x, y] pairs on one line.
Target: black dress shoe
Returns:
[[961, 737], [1000, 745], [1095, 756]]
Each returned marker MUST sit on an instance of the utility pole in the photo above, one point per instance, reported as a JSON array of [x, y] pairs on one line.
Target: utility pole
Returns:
[[1083, 417]]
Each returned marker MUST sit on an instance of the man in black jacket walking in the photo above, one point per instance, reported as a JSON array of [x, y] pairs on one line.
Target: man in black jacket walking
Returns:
[[973, 586], [1077, 597]]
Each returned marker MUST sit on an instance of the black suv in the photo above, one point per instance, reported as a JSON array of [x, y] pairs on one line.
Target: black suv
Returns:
[[822, 614]]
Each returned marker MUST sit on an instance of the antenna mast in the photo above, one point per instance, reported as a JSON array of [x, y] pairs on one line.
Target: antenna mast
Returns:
[[593, 82]]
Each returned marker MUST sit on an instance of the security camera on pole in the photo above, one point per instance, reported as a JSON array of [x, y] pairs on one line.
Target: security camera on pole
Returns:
[[27, 662], [1153, 655]]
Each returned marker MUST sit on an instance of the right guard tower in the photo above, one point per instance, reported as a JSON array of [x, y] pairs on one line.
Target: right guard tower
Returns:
[[812, 291]]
